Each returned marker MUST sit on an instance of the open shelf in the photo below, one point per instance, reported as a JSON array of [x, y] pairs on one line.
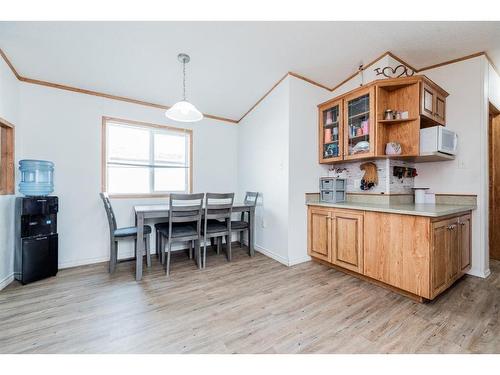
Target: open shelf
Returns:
[[397, 121]]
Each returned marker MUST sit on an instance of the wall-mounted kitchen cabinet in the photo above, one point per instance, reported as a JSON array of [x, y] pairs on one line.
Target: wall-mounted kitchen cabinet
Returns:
[[359, 124], [331, 132], [433, 103], [359, 139]]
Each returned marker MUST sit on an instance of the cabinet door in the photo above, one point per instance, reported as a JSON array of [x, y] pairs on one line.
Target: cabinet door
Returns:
[[319, 228], [359, 124], [428, 101], [347, 240], [440, 109], [331, 132], [453, 266], [439, 256], [465, 242]]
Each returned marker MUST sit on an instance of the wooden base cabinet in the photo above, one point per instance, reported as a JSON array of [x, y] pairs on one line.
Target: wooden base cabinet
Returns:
[[417, 256]]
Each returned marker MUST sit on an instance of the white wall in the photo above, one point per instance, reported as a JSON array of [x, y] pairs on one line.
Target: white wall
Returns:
[[9, 91], [305, 171], [65, 127], [466, 115], [263, 147], [493, 86]]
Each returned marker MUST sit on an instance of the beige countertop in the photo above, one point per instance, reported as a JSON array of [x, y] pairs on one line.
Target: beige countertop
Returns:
[[430, 210]]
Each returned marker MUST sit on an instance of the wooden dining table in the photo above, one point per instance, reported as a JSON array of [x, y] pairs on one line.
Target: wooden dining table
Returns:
[[161, 211]]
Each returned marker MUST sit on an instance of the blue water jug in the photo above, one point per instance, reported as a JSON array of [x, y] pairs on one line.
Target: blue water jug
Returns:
[[37, 177]]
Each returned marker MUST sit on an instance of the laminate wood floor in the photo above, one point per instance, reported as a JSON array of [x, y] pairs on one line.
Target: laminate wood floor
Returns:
[[251, 305]]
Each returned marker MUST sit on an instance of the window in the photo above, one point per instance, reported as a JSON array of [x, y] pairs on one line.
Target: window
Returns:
[[145, 159], [6, 157]]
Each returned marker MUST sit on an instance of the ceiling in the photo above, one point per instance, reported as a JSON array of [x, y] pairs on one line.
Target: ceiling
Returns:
[[232, 63]]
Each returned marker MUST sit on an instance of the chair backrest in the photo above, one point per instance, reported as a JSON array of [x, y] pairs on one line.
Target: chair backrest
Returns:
[[218, 205], [251, 198], [109, 212], [185, 207]]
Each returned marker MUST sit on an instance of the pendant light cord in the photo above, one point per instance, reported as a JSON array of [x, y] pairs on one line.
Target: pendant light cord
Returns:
[[184, 80]]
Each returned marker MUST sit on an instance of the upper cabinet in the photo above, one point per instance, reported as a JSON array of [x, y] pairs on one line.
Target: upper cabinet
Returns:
[[433, 103], [331, 132], [360, 124], [359, 139]]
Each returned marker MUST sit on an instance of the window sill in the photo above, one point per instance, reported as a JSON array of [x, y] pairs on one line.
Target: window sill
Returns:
[[140, 196]]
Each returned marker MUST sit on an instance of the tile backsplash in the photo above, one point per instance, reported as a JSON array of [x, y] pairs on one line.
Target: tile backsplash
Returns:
[[387, 183]]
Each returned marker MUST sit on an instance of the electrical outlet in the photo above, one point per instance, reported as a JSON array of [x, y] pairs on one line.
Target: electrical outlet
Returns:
[[462, 164], [263, 223]]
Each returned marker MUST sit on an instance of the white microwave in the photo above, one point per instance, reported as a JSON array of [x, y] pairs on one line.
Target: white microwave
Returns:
[[438, 139]]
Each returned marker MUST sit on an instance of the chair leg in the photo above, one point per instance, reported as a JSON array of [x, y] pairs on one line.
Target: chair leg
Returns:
[[113, 254], [167, 266], [200, 265], [162, 249], [241, 239], [228, 247], [157, 243], [198, 253], [219, 244], [190, 249], [148, 252]]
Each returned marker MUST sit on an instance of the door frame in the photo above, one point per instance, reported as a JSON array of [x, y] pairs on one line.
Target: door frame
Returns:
[[493, 244]]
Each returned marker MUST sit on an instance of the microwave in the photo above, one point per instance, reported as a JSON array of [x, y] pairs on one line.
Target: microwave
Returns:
[[438, 139]]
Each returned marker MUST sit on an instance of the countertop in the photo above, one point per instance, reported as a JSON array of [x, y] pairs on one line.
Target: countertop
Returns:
[[429, 210]]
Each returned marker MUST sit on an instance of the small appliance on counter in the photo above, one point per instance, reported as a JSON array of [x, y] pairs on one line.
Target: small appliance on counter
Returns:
[[420, 195], [332, 189], [438, 139]]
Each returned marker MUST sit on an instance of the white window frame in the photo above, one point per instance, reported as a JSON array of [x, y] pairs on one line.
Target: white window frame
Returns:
[[153, 128]]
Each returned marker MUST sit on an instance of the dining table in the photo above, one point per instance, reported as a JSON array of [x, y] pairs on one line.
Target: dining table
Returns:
[[161, 211]]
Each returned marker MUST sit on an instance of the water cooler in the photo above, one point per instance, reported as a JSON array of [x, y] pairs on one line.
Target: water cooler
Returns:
[[36, 248]]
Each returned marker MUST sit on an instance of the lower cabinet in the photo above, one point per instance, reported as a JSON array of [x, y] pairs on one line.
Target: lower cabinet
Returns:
[[347, 240], [418, 256], [319, 228], [450, 251]]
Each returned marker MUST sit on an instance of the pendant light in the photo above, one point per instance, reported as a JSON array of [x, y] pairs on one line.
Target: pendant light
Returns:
[[184, 111]]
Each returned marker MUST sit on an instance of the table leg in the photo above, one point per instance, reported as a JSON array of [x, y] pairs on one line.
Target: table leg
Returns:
[[140, 245], [251, 227]]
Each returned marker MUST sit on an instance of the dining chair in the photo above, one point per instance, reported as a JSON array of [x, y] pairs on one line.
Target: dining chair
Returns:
[[218, 206], [116, 234], [241, 225], [158, 241], [184, 224]]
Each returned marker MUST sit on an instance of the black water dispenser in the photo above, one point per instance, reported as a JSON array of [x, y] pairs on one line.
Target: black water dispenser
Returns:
[[36, 254]]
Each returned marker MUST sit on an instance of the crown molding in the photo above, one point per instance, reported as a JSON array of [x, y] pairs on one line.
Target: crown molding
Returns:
[[232, 121]]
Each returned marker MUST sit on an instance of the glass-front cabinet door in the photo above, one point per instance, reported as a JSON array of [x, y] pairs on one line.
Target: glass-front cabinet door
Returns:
[[359, 118], [330, 132]]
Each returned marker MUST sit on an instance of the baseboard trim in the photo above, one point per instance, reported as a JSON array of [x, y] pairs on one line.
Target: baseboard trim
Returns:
[[271, 254], [82, 262], [303, 259], [6, 281], [478, 273]]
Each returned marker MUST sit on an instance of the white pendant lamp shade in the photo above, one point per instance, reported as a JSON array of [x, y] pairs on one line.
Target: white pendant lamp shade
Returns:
[[184, 111]]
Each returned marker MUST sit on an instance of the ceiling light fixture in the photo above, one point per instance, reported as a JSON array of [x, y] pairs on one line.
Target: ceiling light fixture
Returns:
[[184, 111]]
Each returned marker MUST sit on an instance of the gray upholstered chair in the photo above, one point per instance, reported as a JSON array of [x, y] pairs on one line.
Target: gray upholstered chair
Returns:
[[116, 234], [242, 226], [184, 224], [218, 206]]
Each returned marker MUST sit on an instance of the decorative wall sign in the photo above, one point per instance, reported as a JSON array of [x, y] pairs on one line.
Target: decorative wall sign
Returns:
[[398, 71]]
